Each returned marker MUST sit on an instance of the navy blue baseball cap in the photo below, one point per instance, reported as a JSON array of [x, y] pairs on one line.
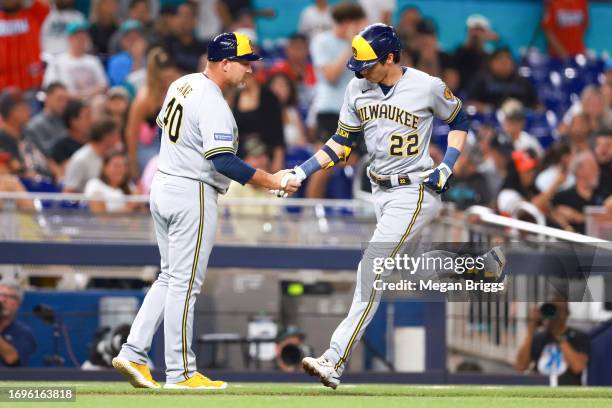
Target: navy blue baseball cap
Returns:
[[232, 46], [371, 45]]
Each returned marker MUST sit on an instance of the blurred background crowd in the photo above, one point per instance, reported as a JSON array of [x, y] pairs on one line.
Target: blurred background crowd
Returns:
[[81, 88]]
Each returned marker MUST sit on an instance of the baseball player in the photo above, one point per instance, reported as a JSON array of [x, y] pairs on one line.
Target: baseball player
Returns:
[[393, 106], [197, 162]]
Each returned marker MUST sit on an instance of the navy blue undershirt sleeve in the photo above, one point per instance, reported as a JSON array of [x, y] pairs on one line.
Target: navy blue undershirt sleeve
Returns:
[[231, 166], [460, 122]]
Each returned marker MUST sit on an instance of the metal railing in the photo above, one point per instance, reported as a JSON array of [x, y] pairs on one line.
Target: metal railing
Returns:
[[489, 328]]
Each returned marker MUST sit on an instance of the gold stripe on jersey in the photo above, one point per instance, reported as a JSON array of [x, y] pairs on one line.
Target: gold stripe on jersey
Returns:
[[348, 128], [455, 112], [390, 112], [415, 215], [161, 125], [218, 150], [347, 351], [194, 269], [412, 221]]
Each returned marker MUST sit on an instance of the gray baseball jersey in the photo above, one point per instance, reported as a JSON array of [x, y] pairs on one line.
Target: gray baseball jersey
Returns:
[[197, 123], [397, 129], [397, 126]]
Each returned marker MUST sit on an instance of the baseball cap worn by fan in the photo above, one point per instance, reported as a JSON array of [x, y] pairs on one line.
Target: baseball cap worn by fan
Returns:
[[129, 26], [478, 21], [77, 27], [232, 46]]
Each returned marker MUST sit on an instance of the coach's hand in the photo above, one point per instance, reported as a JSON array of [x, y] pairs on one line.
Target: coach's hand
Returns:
[[437, 179], [287, 181]]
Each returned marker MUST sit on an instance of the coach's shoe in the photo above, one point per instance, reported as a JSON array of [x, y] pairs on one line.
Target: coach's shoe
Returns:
[[197, 382], [137, 374], [324, 369]]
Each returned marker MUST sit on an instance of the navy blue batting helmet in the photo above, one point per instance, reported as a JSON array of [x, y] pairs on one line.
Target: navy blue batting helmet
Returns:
[[371, 45], [231, 46]]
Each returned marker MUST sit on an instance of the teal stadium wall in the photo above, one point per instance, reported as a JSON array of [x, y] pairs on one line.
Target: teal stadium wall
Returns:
[[515, 20]]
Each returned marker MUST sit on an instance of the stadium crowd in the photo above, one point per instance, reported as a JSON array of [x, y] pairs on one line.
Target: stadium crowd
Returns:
[[80, 95]]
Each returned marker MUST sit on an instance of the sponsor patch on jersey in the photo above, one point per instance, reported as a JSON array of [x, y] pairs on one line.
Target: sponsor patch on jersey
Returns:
[[226, 137], [448, 94]]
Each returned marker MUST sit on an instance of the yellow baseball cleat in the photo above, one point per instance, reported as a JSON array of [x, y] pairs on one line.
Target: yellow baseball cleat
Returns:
[[137, 374], [197, 382]]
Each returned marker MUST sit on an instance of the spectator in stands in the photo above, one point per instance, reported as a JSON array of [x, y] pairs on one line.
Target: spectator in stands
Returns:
[[9, 182], [579, 132], [104, 23], [165, 24], [548, 335], [469, 185], [54, 35], [82, 73], [141, 130], [87, 162], [592, 102], [513, 128], [429, 58], [568, 205], [471, 57], [20, 63], [17, 343], [520, 182], [258, 114], [47, 127], [231, 11], [298, 67], [315, 19], [15, 114], [255, 154], [606, 87], [108, 192], [603, 155], [27, 160], [209, 22], [556, 162], [379, 11], [565, 23], [185, 50], [496, 154], [406, 30], [330, 51], [499, 82], [293, 126], [77, 119], [126, 66], [117, 105]]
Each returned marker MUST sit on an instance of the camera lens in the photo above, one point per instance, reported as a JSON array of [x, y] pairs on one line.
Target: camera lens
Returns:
[[548, 311]]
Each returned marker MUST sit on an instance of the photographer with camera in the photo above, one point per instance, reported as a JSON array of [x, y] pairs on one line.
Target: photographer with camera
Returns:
[[557, 350], [17, 343]]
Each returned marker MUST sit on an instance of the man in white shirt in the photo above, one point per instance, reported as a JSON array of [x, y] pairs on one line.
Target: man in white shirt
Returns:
[[315, 19], [82, 73], [53, 33], [513, 126], [379, 11]]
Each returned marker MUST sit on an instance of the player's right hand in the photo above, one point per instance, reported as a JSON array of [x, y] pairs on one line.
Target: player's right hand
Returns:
[[287, 183]]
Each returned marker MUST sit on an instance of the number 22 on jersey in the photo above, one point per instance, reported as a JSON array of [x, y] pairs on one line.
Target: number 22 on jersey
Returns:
[[403, 145], [173, 116]]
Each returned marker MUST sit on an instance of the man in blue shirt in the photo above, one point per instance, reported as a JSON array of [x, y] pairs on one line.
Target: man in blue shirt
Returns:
[[132, 56], [17, 343]]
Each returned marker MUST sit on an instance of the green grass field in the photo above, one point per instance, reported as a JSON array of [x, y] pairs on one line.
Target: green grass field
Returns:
[[119, 395]]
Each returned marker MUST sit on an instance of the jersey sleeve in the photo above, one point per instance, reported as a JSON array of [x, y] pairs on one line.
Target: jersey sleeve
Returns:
[[217, 130], [444, 104], [349, 121]]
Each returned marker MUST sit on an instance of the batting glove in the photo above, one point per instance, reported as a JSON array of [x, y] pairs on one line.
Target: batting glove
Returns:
[[437, 179], [282, 193]]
